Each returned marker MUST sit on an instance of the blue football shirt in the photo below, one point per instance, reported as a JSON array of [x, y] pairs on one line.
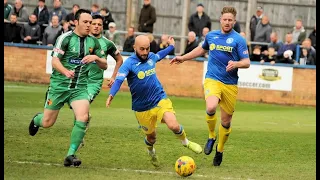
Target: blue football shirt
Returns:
[[223, 48], [146, 90]]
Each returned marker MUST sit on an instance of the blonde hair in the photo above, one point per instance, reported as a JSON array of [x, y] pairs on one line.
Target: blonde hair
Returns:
[[150, 36], [228, 9]]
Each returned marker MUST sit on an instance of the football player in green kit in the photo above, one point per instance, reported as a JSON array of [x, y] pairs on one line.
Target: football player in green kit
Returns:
[[72, 55]]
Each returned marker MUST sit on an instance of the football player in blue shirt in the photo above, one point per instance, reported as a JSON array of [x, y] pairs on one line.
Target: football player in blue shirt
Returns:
[[149, 101], [227, 52]]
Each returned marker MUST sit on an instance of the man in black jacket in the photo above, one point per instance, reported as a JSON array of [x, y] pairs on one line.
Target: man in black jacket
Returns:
[[70, 17], [192, 42], [12, 30], [107, 18], [42, 13], [199, 20], [147, 17], [30, 33], [129, 42]]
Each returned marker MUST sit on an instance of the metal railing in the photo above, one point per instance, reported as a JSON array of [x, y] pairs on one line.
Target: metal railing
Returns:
[[178, 38]]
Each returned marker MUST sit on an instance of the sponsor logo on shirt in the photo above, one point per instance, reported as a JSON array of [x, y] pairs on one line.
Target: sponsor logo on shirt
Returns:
[[143, 74], [75, 61], [220, 48]]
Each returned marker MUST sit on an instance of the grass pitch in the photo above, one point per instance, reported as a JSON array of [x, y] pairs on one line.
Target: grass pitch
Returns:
[[267, 141]]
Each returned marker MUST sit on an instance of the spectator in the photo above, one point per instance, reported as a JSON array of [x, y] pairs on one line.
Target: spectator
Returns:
[[308, 53], [65, 27], [58, 10], [256, 54], [51, 32], [20, 11], [192, 43], [237, 27], [274, 42], [95, 9], [112, 34], [107, 16], [298, 33], [205, 31], [243, 34], [153, 43], [70, 17], [147, 17], [12, 30], [313, 38], [288, 46], [254, 22], [198, 21], [7, 9], [263, 32], [30, 33], [128, 43], [42, 13], [164, 44], [270, 57]]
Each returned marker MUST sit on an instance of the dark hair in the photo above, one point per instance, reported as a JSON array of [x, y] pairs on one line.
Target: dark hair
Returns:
[[14, 14], [104, 9], [79, 12], [97, 16], [76, 5]]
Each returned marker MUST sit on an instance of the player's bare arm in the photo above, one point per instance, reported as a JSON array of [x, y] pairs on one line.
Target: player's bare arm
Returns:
[[56, 64], [198, 51], [119, 62], [243, 63]]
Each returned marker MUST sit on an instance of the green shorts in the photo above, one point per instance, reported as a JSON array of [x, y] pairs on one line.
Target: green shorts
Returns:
[[93, 91], [56, 99]]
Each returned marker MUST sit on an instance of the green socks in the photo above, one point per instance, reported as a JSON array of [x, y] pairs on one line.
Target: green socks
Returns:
[[77, 135], [38, 120]]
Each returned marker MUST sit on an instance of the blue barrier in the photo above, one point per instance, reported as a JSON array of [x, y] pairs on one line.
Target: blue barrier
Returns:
[[171, 56]]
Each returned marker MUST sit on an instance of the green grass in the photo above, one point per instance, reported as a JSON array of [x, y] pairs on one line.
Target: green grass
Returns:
[[267, 141]]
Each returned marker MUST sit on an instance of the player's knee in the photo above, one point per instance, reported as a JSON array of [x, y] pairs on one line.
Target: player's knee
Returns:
[[48, 122], [82, 117], [226, 121], [152, 139], [175, 127], [211, 109]]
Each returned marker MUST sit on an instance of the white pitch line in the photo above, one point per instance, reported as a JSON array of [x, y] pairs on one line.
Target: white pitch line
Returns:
[[270, 123], [123, 169]]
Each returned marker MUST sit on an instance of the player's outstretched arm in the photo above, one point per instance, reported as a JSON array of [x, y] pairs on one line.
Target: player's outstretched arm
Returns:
[[113, 91], [56, 64], [163, 53], [198, 51]]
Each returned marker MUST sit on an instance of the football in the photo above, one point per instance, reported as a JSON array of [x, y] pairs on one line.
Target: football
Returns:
[[185, 166]]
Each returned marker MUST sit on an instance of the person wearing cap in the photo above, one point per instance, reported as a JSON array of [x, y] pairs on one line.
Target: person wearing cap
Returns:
[[42, 13], [112, 34], [254, 21], [199, 20]]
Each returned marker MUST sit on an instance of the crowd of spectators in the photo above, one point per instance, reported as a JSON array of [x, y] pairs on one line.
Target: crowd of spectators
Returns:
[[45, 25]]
